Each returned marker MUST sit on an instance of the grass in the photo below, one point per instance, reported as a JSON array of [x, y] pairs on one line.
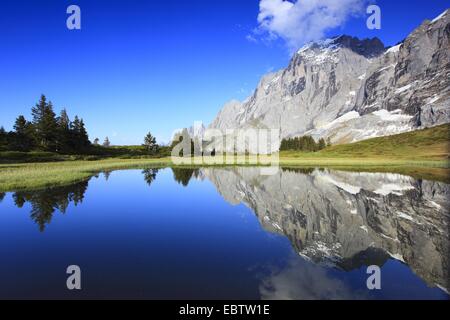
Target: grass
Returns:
[[91, 154], [41, 175], [36, 156], [422, 154], [426, 145]]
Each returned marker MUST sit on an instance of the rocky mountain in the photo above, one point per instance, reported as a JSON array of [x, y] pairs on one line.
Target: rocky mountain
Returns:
[[348, 89], [348, 219]]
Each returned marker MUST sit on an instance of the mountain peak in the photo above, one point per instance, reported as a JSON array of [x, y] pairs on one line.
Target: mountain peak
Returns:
[[365, 47]]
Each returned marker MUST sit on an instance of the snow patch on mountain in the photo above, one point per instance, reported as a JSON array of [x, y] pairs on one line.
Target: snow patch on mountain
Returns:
[[393, 49], [439, 17], [393, 188], [342, 119], [395, 115]]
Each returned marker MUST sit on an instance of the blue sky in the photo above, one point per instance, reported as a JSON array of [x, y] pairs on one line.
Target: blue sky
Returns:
[[142, 65]]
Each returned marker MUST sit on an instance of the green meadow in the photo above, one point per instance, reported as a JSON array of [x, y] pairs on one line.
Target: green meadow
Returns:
[[422, 154]]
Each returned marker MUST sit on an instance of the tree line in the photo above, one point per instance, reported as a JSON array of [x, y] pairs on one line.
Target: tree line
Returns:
[[48, 132], [304, 144]]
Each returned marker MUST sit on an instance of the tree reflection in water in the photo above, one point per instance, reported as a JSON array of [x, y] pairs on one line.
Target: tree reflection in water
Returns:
[[183, 176], [46, 201], [150, 175]]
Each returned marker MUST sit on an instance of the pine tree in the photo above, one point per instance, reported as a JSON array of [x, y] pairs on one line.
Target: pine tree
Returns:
[[38, 115], [96, 141], [84, 138], [303, 144], [3, 139], [23, 135], [150, 143], [45, 124], [78, 135], [20, 125], [322, 144], [75, 134], [63, 134]]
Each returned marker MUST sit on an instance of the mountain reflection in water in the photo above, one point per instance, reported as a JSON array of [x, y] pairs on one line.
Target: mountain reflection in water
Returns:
[[336, 222], [349, 219]]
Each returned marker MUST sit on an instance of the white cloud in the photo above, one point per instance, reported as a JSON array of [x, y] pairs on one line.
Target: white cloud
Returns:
[[303, 280], [251, 38], [301, 21]]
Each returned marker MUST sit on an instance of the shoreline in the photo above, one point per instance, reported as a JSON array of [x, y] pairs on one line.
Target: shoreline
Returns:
[[33, 176]]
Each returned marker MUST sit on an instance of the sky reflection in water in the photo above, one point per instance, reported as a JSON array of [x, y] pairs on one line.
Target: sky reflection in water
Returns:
[[227, 234]]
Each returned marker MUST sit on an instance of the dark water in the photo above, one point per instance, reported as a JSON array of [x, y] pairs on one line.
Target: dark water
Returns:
[[228, 234]]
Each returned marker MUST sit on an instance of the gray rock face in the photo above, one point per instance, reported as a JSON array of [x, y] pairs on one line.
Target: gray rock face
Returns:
[[348, 89], [413, 76], [349, 219]]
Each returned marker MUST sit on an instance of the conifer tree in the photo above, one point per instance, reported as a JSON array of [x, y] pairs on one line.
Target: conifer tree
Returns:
[[322, 144], [75, 134], [44, 124], [3, 139], [83, 135], [303, 144], [63, 134], [150, 143], [23, 135]]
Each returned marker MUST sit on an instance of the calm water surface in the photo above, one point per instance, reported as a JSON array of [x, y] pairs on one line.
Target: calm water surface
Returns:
[[228, 234]]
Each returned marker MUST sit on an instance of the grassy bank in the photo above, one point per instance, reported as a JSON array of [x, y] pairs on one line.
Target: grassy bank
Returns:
[[421, 154], [91, 154], [426, 145], [41, 175]]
